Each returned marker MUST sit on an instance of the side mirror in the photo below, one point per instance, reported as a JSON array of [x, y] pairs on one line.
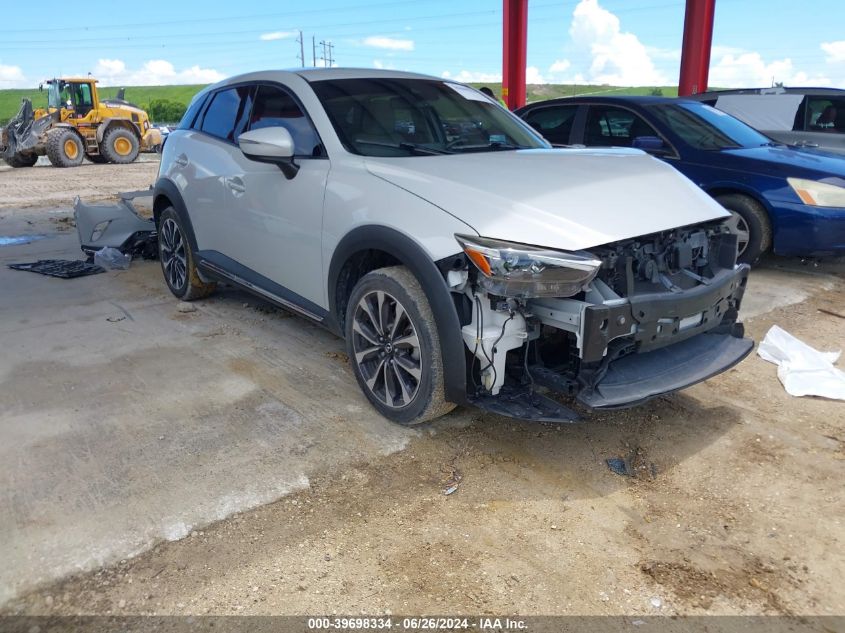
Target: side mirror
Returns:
[[650, 144], [270, 145]]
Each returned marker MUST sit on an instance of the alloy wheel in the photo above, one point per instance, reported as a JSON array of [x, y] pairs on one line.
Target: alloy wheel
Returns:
[[173, 258], [739, 227], [387, 349]]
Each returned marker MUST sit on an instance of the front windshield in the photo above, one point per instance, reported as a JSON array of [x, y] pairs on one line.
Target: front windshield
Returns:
[[704, 127], [414, 117]]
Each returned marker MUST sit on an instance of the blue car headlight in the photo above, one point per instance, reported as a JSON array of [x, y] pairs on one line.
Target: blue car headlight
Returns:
[[818, 194]]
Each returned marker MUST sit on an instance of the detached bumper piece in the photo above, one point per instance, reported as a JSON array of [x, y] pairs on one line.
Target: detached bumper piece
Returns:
[[116, 225], [636, 378]]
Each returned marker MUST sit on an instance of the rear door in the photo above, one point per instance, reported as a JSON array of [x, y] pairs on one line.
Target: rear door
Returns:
[[556, 123], [204, 165]]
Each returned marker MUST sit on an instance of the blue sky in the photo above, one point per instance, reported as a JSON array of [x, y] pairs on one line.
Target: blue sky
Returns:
[[586, 41]]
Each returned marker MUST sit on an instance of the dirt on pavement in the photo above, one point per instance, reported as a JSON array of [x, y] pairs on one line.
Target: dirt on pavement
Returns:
[[738, 510], [45, 186], [735, 507]]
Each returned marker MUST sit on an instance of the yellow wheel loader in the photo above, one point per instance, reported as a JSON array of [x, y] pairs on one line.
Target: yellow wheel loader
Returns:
[[75, 124]]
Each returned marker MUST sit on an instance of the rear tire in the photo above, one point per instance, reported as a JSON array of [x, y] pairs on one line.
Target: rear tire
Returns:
[[177, 259], [119, 145], [750, 223], [21, 160], [64, 147], [394, 347]]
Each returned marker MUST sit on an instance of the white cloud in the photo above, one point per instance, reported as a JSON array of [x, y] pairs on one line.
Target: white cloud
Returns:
[[835, 51], [618, 57], [277, 35], [155, 72], [559, 66], [467, 76], [12, 77], [389, 43], [533, 76], [749, 70]]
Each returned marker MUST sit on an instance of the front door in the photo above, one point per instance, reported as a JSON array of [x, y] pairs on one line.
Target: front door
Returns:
[[280, 220]]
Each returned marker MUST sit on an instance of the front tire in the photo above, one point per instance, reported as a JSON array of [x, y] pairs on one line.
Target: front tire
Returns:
[[22, 160], [119, 145], [64, 147], [177, 260], [750, 223], [394, 347]]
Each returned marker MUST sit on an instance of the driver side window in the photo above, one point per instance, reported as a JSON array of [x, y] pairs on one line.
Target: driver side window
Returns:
[[276, 108]]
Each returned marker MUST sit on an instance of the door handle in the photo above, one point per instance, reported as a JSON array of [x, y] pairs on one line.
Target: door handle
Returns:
[[235, 184], [181, 160]]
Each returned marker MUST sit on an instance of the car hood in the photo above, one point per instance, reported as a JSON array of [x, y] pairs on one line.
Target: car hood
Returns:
[[789, 161], [568, 199]]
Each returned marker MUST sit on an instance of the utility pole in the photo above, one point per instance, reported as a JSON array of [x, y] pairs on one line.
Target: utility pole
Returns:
[[313, 51], [327, 58], [301, 49]]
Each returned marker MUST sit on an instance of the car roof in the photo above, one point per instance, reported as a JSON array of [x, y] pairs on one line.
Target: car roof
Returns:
[[318, 74], [619, 99], [832, 92]]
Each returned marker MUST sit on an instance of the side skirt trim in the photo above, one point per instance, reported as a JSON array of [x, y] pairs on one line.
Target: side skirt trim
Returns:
[[248, 285]]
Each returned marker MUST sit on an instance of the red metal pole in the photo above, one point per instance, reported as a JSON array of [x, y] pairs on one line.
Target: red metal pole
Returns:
[[695, 54], [514, 52]]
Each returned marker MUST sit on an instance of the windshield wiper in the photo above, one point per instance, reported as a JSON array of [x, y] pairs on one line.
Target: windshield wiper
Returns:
[[496, 146], [409, 147]]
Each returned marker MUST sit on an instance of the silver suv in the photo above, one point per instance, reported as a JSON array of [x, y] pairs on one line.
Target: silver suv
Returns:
[[462, 258]]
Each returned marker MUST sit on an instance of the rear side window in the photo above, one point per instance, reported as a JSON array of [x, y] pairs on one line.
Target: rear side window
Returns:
[[228, 113], [553, 122], [188, 121], [613, 127], [276, 108], [826, 114]]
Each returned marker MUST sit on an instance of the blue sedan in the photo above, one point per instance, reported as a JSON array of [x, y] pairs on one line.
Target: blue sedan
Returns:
[[788, 199]]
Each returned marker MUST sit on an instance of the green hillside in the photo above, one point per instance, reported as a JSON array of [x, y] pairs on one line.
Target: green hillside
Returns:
[[539, 92], [10, 100]]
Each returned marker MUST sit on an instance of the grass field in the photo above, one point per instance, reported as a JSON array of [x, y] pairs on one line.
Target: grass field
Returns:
[[10, 100]]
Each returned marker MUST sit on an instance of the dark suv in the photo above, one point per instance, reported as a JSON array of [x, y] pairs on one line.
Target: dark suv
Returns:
[[812, 117]]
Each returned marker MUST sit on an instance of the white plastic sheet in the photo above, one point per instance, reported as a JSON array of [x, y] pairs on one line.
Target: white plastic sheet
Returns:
[[803, 370]]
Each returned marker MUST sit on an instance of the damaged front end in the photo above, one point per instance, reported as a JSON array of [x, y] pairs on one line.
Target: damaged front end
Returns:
[[612, 327], [117, 226]]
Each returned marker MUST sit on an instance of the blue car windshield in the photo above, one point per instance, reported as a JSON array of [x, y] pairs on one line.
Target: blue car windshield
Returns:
[[380, 116], [704, 127]]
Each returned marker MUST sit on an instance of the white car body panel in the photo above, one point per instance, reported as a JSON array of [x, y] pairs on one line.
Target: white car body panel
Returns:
[[569, 199]]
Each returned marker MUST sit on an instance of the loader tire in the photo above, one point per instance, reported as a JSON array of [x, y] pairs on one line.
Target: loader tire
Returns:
[[21, 160], [64, 148], [119, 145]]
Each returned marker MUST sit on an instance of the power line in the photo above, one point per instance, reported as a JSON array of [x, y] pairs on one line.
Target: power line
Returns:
[[234, 18]]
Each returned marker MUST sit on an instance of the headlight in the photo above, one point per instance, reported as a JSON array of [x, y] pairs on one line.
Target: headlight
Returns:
[[818, 194], [522, 271]]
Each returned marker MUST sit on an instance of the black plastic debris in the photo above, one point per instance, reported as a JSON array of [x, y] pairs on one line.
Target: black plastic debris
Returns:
[[619, 466], [62, 268]]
